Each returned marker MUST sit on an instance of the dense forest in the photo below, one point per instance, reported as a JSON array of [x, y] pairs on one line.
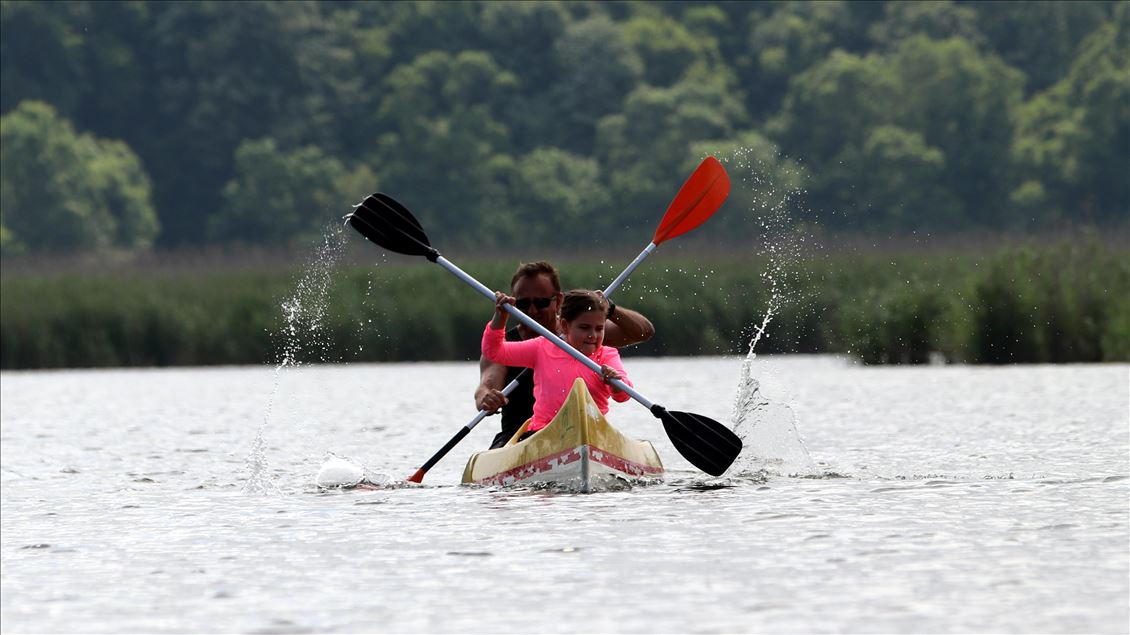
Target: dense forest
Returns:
[[141, 125]]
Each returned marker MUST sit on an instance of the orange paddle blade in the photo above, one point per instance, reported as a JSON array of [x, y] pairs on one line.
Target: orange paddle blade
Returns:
[[417, 477], [698, 199]]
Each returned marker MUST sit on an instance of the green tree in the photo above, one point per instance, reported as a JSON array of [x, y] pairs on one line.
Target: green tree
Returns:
[[224, 72], [282, 197], [647, 147], [364, 48], [711, 22], [796, 36], [900, 181], [825, 119], [897, 109], [416, 28], [554, 197], [956, 106], [39, 49], [64, 191], [1072, 138], [1040, 38], [963, 103], [1099, 82], [667, 48], [832, 105], [935, 19], [445, 151], [596, 69], [518, 36], [1048, 131]]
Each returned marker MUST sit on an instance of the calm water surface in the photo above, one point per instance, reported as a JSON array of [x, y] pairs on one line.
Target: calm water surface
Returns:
[[939, 499]]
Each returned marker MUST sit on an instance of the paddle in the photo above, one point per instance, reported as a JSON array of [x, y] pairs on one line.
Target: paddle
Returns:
[[418, 476], [707, 444], [696, 201]]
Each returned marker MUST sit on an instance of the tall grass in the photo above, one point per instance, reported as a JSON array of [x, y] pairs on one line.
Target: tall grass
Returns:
[[1059, 303]]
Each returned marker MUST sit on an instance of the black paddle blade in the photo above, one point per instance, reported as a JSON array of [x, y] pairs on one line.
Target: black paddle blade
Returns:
[[383, 220], [707, 444]]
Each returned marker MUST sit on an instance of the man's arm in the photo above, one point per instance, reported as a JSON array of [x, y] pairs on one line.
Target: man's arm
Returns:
[[488, 396], [627, 327]]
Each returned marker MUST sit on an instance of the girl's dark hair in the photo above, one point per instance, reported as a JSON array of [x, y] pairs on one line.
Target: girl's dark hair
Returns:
[[580, 301]]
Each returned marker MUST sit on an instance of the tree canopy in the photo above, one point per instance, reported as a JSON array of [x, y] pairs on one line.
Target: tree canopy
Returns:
[[64, 190], [134, 123]]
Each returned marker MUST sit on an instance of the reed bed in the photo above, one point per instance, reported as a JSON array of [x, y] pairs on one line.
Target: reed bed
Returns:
[[1067, 302]]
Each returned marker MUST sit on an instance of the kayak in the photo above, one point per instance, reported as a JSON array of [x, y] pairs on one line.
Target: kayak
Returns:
[[579, 450]]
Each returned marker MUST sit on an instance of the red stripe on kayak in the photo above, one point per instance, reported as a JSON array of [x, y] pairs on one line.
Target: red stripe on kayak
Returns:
[[543, 464], [621, 464]]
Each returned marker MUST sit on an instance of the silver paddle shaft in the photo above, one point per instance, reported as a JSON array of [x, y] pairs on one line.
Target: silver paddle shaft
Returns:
[[541, 330], [632, 267]]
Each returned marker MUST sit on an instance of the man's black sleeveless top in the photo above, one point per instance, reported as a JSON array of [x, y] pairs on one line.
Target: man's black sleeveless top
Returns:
[[520, 404]]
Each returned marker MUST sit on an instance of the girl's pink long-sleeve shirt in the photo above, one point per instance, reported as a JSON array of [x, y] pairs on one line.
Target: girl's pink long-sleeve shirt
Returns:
[[554, 372]]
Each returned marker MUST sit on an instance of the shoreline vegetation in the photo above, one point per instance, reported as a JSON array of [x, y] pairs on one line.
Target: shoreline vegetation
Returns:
[[903, 302], [241, 257]]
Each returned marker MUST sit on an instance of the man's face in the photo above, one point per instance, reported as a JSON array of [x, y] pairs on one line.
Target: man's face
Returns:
[[537, 298]]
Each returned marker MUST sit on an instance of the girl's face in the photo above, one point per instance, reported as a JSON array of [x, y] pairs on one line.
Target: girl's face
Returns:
[[586, 332]]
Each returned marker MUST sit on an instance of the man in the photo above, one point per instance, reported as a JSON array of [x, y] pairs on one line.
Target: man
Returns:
[[536, 288]]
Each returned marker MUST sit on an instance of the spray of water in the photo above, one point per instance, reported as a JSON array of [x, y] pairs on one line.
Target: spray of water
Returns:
[[338, 472], [768, 428], [303, 333]]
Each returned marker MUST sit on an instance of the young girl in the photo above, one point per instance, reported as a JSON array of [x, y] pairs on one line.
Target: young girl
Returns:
[[580, 322]]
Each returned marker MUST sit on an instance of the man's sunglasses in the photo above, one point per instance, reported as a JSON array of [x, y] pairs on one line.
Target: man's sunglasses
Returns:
[[540, 303]]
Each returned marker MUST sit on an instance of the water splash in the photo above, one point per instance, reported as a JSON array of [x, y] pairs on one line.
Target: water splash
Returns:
[[342, 473], [767, 428], [337, 472], [259, 481], [303, 332]]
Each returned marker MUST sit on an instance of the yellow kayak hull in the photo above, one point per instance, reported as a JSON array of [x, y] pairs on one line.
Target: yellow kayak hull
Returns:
[[578, 450]]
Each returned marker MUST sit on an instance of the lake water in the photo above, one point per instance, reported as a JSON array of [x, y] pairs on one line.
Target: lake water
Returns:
[[933, 499]]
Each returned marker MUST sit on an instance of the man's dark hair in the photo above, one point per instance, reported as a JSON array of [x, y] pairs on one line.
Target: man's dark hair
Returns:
[[534, 269]]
